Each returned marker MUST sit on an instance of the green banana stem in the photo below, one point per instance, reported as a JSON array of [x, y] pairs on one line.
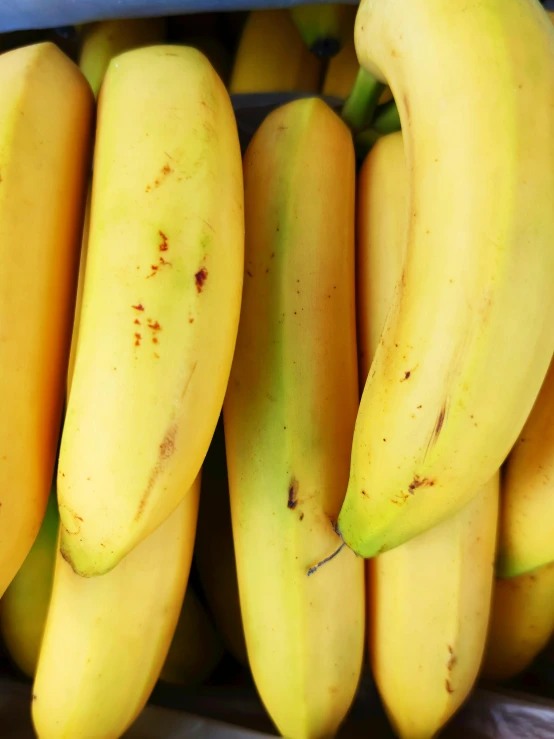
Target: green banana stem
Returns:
[[360, 105], [364, 141], [387, 118]]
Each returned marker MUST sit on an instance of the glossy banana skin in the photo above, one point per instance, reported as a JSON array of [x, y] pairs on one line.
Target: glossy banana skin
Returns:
[[161, 302], [470, 333], [428, 599], [522, 622], [272, 57], [526, 539], [106, 39], [106, 638], [289, 414], [45, 137]]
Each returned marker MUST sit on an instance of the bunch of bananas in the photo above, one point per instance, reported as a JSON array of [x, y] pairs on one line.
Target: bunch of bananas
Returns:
[[379, 345]]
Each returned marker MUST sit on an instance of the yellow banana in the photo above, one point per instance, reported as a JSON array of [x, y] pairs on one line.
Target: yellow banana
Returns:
[[429, 599], [106, 638], [455, 376], [45, 127], [214, 552], [272, 57], [24, 606], [521, 624], [429, 606], [289, 414], [526, 540], [381, 226], [161, 302], [104, 40], [325, 27], [196, 647]]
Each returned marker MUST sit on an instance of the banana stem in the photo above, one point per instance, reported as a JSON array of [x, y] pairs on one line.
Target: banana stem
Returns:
[[387, 118], [360, 105], [364, 141]]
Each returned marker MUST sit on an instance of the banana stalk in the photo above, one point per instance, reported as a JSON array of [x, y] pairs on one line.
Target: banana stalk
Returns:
[[325, 28]]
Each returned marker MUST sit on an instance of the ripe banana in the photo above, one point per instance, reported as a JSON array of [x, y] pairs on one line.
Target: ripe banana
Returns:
[[521, 624], [161, 302], [429, 599], [272, 57], [104, 40], [45, 126], [324, 28], [24, 605], [455, 376], [106, 638], [289, 414], [196, 647], [526, 540], [214, 552]]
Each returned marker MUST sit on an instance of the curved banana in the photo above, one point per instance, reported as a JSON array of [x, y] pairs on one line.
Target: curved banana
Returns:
[[455, 375], [214, 552], [106, 39], [526, 538], [521, 624], [24, 605], [45, 129], [429, 599], [326, 27], [196, 647], [289, 415], [272, 57], [161, 302], [106, 638]]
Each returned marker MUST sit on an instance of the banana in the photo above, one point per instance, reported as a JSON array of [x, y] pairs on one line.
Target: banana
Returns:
[[526, 541], [106, 39], [24, 606], [429, 599], [214, 553], [455, 376], [288, 416], [196, 648], [324, 28], [161, 302], [271, 57], [45, 128], [521, 624], [106, 638]]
